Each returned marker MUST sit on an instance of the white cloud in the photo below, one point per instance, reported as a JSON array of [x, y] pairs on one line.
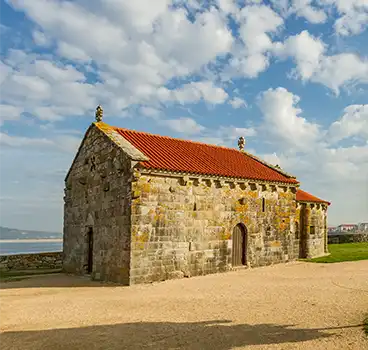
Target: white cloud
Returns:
[[196, 91], [135, 48], [227, 6], [135, 54], [184, 125], [237, 102], [338, 174], [312, 62], [18, 141], [255, 22], [9, 113], [353, 16], [282, 120], [304, 8], [150, 111], [354, 122], [41, 39]]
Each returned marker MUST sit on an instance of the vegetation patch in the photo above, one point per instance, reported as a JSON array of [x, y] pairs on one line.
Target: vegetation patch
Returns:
[[17, 275], [343, 252], [365, 325]]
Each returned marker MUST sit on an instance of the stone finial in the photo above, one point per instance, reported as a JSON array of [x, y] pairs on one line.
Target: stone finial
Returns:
[[241, 143], [99, 113]]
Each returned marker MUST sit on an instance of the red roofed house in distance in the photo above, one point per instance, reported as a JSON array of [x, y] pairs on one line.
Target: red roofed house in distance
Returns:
[[141, 208]]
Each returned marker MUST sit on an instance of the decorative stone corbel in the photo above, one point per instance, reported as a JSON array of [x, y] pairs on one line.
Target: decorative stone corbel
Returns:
[[208, 182], [184, 180], [219, 183], [242, 185], [231, 184], [253, 186]]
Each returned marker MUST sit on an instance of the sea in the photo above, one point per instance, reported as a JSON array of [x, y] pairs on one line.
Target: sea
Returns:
[[19, 247]]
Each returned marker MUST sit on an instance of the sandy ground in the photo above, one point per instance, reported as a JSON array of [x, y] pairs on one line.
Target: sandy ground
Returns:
[[293, 306]]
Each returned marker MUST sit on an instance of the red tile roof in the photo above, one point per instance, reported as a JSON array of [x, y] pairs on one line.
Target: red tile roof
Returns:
[[166, 153], [307, 197]]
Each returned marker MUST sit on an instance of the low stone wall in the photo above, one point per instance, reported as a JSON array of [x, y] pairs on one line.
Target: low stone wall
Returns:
[[348, 238], [31, 261]]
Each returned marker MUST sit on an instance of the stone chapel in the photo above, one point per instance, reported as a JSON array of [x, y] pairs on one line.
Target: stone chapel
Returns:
[[140, 208]]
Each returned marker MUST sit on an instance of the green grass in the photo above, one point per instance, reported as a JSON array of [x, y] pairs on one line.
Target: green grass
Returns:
[[17, 275], [344, 252]]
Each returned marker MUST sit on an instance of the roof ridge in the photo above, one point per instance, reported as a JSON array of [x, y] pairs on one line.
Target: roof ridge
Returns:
[[211, 145], [201, 153], [177, 138]]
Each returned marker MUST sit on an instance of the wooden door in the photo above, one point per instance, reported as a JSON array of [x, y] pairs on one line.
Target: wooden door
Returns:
[[239, 246], [90, 251]]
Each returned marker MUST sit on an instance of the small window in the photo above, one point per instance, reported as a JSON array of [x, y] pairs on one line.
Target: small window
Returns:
[[312, 230], [263, 205]]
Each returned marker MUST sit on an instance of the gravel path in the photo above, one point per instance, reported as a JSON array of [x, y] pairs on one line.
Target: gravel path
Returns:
[[293, 306]]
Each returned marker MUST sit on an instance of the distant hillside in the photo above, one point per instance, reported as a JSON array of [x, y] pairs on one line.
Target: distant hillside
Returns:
[[13, 233]]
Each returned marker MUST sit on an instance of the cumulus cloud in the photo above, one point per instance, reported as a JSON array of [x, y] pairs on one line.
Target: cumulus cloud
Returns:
[[255, 24], [184, 125], [196, 91], [306, 150], [314, 64], [145, 56], [354, 122], [353, 16], [283, 121], [305, 8], [237, 102]]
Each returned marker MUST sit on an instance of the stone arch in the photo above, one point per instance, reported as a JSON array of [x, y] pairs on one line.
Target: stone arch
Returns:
[[239, 245]]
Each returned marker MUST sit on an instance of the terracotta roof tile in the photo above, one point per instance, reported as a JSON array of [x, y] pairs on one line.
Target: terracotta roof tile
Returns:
[[307, 197], [166, 153]]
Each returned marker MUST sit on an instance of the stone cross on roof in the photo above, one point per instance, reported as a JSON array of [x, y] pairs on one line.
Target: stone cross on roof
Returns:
[[241, 143], [99, 113]]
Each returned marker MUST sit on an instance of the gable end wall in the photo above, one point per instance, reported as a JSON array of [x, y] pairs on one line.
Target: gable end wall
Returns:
[[98, 195]]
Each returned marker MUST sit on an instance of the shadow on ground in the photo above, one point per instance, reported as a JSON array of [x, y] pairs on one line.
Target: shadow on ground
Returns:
[[56, 280], [214, 335]]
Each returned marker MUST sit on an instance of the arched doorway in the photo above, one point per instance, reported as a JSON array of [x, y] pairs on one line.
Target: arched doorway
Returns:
[[239, 251]]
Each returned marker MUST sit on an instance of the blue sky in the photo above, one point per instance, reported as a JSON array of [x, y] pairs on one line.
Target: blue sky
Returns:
[[290, 76]]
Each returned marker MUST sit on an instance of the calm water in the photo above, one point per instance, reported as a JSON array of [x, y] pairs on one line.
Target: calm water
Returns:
[[29, 247]]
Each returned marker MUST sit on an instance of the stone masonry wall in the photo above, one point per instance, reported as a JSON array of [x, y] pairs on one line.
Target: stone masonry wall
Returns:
[[183, 226], [312, 224], [351, 237], [317, 219], [31, 261], [97, 196]]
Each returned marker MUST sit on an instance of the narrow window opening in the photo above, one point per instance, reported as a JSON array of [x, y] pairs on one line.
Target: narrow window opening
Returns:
[[263, 205], [312, 230], [195, 207], [296, 230]]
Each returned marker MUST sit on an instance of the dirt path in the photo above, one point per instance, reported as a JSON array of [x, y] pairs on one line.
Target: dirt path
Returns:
[[293, 306]]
